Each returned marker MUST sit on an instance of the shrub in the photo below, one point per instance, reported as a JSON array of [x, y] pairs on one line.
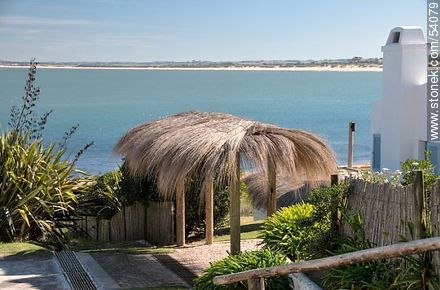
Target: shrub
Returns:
[[100, 197], [425, 165], [36, 189], [195, 210], [369, 275], [36, 182], [328, 200], [242, 262], [294, 230]]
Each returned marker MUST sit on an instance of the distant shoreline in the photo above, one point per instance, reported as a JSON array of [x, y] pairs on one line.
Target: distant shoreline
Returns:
[[348, 68]]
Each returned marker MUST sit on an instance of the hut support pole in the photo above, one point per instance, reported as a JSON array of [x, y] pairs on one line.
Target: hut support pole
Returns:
[[209, 213], [271, 196], [234, 196], [180, 216]]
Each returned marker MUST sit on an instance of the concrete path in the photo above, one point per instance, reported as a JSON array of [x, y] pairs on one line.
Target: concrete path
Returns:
[[133, 271], [34, 272]]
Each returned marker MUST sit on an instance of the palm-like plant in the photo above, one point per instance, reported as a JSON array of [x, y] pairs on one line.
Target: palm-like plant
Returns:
[[36, 182], [36, 188]]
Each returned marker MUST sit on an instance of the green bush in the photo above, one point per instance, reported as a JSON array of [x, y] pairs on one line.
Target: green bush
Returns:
[[36, 182], [242, 262], [294, 231], [414, 273], [100, 196], [195, 210], [425, 165], [369, 275], [329, 201], [36, 189]]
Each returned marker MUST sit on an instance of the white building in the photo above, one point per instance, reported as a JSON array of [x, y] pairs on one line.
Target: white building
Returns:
[[398, 119]]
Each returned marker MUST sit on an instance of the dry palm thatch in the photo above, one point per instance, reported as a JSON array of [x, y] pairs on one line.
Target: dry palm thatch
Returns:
[[180, 147], [287, 191]]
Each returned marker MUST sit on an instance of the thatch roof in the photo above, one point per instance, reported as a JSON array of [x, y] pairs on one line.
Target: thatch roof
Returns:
[[287, 191], [178, 148]]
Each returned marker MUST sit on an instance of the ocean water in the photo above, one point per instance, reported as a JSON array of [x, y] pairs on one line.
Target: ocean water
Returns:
[[106, 103]]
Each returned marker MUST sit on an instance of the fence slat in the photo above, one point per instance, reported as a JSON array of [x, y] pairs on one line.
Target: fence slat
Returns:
[[435, 222]]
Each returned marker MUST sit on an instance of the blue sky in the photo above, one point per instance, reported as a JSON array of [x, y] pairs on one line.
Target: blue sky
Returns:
[[184, 30]]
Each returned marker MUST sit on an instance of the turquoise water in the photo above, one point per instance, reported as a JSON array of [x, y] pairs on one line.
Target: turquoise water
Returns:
[[106, 103]]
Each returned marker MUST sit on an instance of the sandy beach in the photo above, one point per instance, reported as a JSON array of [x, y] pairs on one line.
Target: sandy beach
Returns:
[[348, 68]]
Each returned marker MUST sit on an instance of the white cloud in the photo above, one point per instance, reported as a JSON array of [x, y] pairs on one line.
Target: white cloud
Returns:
[[22, 20]]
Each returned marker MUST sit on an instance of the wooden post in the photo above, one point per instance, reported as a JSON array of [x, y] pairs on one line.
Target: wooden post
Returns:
[[419, 193], [209, 212], [180, 215], [234, 211], [271, 196], [351, 128], [256, 284], [334, 180]]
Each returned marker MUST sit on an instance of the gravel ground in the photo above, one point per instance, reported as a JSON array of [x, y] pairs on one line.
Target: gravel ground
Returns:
[[197, 256]]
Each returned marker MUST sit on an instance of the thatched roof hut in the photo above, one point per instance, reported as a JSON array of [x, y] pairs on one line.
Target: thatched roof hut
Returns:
[[287, 192], [213, 146]]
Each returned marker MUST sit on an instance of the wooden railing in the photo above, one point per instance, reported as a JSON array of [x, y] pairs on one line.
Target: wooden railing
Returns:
[[256, 277]]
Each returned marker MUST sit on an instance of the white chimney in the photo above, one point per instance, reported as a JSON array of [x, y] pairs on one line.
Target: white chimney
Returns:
[[398, 120]]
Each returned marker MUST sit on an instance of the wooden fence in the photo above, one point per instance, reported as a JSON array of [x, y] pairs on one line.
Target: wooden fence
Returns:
[[389, 210], [385, 209], [154, 223], [434, 203]]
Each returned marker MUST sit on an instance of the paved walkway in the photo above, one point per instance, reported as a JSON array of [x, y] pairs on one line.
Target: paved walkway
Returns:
[[116, 270], [36, 272], [131, 271]]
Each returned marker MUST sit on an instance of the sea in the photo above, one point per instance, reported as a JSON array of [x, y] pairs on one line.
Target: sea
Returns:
[[108, 102]]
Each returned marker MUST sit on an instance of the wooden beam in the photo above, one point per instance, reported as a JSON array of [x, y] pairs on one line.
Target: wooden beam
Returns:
[[180, 215], [209, 213], [234, 210], [386, 252], [272, 182]]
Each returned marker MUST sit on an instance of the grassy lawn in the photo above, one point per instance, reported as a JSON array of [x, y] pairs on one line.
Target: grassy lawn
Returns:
[[249, 230], [124, 247], [22, 249]]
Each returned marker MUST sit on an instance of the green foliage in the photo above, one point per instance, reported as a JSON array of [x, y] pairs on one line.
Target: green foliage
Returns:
[[328, 200], [36, 182], [242, 262], [100, 197], [294, 230], [425, 165], [135, 188], [369, 275], [36, 189], [415, 272], [195, 209]]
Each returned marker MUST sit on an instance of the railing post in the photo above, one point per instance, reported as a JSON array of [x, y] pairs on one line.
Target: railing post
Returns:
[[256, 284]]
